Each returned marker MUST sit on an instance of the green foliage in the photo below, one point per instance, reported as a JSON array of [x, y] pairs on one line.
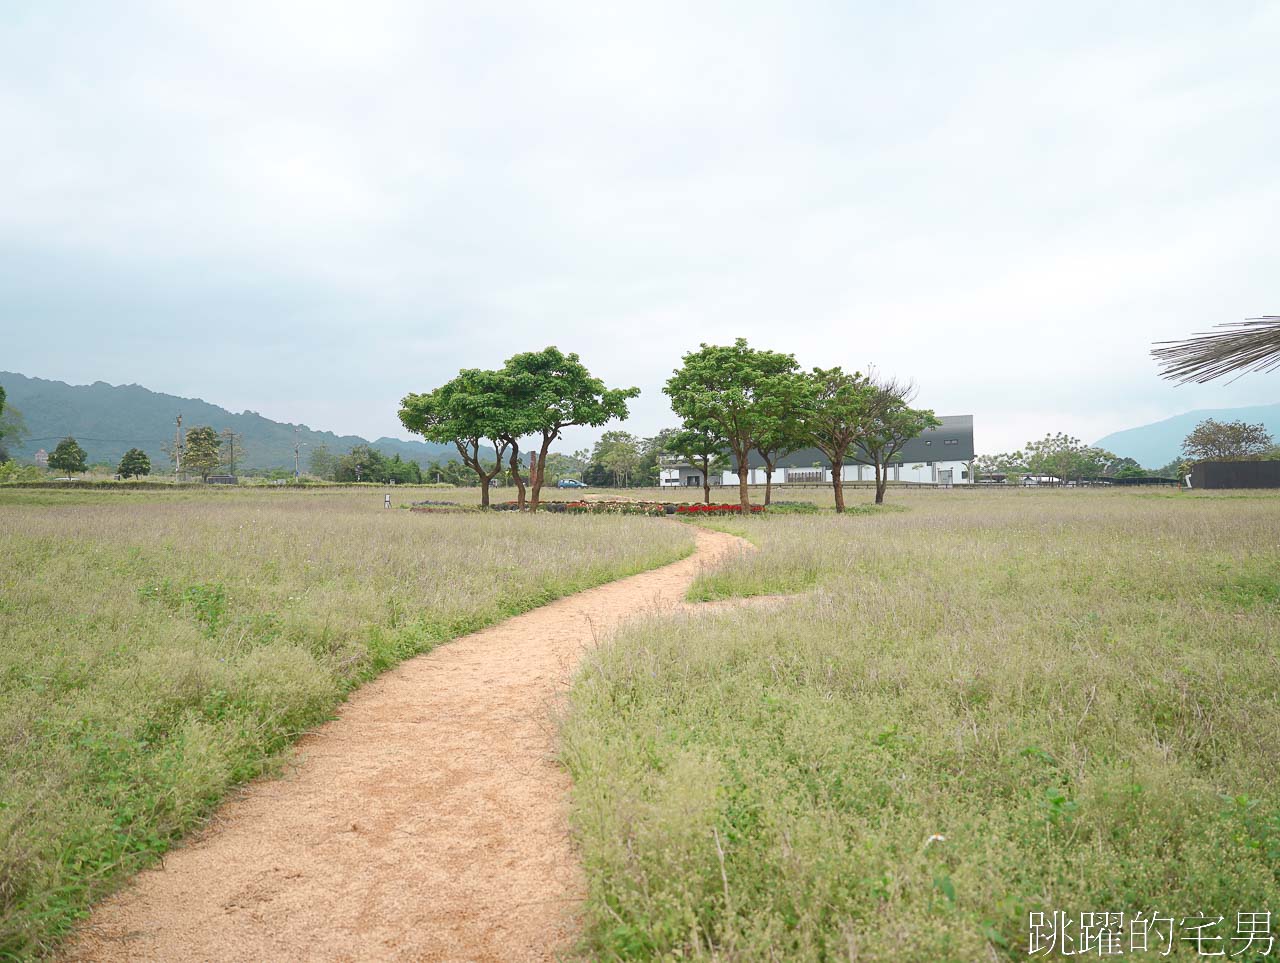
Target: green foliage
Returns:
[[68, 457], [553, 391], [134, 464], [979, 708], [731, 390], [837, 414], [202, 453], [11, 471], [619, 453], [536, 393], [1226, 441], [474, 407], [366, 464], [323, 463], [1059, 456], [701, 445]]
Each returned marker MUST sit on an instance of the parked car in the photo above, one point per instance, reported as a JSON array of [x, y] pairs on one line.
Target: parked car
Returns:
[[569, 483]]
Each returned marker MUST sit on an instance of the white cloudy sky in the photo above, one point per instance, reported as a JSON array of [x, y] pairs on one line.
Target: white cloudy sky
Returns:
[[308, 209]]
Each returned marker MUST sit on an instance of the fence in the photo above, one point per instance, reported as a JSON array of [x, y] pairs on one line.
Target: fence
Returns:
[[1236, 474]]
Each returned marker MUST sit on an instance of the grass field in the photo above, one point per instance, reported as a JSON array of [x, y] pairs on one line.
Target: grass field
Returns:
[[981, 705], [160, 648]]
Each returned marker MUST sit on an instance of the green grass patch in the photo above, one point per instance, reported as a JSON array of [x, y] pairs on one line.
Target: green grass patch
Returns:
[[159, 650], [984, 708]]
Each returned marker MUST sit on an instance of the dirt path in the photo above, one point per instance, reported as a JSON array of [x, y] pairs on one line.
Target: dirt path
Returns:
[[427, 822]]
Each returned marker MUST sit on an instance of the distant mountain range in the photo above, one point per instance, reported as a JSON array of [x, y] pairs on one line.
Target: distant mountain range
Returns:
[[1159, 443], [108, 420]]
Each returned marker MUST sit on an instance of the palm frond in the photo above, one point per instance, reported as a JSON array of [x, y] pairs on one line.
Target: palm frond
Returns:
[[1241, 347]]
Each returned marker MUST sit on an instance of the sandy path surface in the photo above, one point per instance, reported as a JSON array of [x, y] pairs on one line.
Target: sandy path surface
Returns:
[[427, 822]]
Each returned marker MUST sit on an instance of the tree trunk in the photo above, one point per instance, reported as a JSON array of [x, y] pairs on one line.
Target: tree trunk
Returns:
[[882, 480], [535, 486], [837, 484], [706, 481], [768, 482], [744, 496], [516, 478], [538, 475]]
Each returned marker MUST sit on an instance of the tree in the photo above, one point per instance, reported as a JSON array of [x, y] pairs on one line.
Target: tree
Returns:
[[232, 441], [554, 391], [68, 457], [890, 424], [1065, 458], [474, 407], [1119, 467], [837, 416], [13, 430], [134, 464], [728, 388], [560, 465], [619, 453], [1226, 441], [703, 447], [1242, 346], [323, 463], [202, 452], [361, 464], [784, 402], [1010, 464], [450, 472]]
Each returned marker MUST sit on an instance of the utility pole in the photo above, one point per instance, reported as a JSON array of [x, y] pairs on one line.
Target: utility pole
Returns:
[[296, 445], [177, 449]]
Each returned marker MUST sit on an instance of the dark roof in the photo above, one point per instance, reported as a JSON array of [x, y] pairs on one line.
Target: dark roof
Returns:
[[932, 445]]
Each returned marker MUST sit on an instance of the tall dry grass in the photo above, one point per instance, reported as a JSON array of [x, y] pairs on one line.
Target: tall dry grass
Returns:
[[977, 708], [160, 648]]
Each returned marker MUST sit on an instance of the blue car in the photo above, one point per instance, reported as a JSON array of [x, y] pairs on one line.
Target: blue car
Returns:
[[569, 483]]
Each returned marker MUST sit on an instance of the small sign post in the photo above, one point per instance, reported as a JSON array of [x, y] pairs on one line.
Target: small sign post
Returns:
[[387, 503]]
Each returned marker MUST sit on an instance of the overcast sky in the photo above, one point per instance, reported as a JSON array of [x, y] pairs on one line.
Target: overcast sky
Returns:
[[309, 209]]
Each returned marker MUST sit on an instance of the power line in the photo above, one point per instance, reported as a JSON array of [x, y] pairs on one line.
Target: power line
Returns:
[[105, 441]]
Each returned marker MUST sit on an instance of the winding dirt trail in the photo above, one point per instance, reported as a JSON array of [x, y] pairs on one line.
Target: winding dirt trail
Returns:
[[427, 822]]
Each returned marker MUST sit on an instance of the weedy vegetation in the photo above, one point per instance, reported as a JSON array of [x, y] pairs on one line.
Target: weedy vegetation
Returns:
[[988, 704], [159, 649]]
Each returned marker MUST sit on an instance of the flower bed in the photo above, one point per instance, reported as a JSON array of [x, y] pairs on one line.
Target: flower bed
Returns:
[[590, 508], [622, 507], [716, 509]]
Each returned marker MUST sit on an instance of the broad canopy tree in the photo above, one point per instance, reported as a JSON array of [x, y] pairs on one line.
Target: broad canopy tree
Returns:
[[730, 388], [1213, 440], [555, 391], [535, 394], [68, 457], [838, 414], [467, 412], [202, 453], [134, 464]]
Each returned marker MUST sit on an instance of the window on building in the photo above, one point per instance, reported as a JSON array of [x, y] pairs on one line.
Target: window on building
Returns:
[[952, 441], [928, 464], [963, 473]]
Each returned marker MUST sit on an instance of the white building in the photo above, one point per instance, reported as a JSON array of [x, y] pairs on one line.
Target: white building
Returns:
[[940, 455]]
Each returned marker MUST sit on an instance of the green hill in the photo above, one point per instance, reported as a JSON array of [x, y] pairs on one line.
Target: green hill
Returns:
[[1159, 443], [110, 419]]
